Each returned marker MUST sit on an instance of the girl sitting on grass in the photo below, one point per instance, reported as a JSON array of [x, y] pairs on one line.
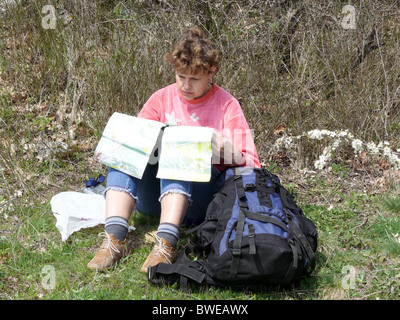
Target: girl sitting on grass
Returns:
[[193, 100]]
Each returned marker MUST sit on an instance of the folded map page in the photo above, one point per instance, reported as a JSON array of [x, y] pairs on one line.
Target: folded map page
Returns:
[[186, 154], [127, 143]]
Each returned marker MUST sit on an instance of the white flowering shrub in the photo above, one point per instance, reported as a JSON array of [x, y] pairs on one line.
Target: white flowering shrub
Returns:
[[335, 138]]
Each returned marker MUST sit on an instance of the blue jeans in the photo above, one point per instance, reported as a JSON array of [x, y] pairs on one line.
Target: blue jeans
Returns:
[[149, 190]]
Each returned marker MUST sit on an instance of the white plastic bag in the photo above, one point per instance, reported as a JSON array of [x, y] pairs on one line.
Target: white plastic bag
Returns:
[[76, 210]]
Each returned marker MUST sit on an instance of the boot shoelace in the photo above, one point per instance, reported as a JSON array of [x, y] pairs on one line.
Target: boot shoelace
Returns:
[[162, 249], [107, 243]]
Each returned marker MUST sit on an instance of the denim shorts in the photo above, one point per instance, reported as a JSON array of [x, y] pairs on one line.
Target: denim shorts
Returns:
[[149, 190]]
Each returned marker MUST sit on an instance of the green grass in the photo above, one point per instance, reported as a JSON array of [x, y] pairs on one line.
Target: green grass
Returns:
[[109, 58], [350, 237]]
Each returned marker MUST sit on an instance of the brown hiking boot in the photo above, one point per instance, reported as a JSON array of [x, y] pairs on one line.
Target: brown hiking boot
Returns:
[[111, 251], [162, 252]]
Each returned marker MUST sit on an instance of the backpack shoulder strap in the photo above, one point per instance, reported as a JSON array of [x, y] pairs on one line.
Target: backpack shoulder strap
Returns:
[[302, 238], [182, 270], [237, 242], [177, 269]]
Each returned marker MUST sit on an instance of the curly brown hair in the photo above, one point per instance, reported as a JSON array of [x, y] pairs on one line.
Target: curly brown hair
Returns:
[[194, 53]]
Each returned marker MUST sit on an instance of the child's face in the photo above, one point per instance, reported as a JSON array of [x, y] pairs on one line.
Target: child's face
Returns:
[[193, 86]]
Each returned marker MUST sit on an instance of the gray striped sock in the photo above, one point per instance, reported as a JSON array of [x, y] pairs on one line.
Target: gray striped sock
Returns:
[[169, 232], [117, 226]]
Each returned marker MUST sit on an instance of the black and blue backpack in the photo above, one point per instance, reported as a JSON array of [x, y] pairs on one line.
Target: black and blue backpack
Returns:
[[254, 236]]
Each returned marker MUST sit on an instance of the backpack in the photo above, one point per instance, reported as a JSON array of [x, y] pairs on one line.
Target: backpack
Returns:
[[254, 236]]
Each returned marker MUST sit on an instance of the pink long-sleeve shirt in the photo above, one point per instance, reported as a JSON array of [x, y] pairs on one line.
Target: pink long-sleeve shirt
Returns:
[[218, 109]]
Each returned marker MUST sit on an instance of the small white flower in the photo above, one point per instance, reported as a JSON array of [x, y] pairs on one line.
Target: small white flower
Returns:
[[387, 151], [372, 148], [334, 139], [343, 134], [357, 145], [315, 134], [335, 144], [394, 159], [288, 141], [319, 164]]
